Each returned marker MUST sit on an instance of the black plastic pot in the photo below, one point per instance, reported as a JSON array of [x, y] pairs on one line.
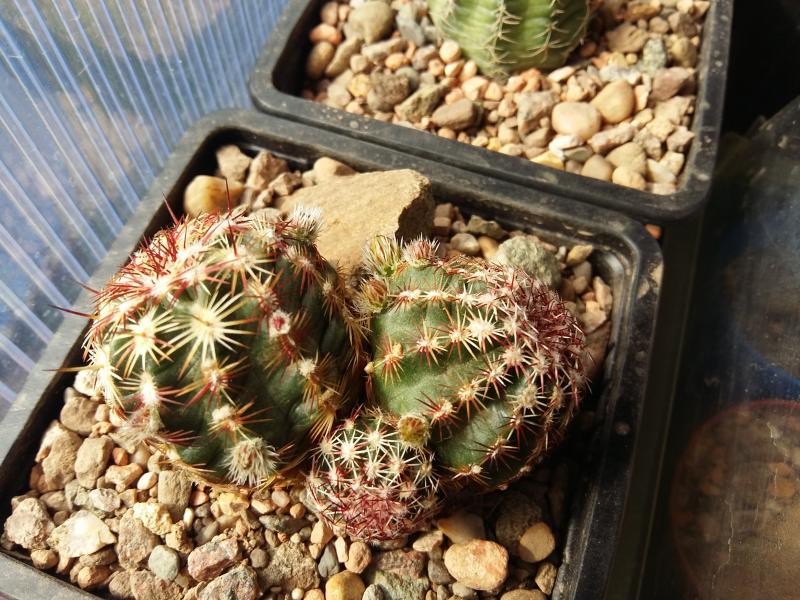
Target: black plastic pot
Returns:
[[277, 80], [625, 255]]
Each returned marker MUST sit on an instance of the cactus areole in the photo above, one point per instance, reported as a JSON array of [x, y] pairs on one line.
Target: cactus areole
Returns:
[[225, 341], [505, 36], [481, 363]]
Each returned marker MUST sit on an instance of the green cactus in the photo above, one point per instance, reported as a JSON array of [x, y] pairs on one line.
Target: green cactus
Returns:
[[480, 362], [367, 483], [225, 341], [504, 36]]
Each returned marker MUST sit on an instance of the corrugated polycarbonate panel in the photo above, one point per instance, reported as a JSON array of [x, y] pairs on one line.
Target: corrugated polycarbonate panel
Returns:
[[93, 95]]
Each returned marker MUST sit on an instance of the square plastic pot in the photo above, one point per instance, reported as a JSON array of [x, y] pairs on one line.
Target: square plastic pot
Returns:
[[625, 256], [277, 80]]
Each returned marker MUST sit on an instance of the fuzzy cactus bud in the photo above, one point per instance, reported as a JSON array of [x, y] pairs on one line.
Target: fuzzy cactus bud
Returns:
[[503, 36], [367, 483], [226, 341], [480, 362]]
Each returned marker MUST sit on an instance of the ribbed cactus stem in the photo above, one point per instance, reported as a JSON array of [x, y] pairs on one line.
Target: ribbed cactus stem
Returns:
[[479, 361], [504, 36], [225, 341], [367, 483]]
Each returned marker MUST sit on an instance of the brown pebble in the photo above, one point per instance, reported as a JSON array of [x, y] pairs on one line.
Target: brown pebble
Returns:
[[325, 33], [120, 457]]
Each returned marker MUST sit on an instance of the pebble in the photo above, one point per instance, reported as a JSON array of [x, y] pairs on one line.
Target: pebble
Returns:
[[318, 60], [135, 542], [480, 226], [77, 414], [546, 577], [82, 533], [615, 101], [459, 115], [597, 167], [147, 481], [523, 595], [372, 20], [290, 567], [209, 560], [427, 542], [465, 243], [232, 504], [489, 246], [207, 194], [90, 578], [462, 527], [421, 103], [532, 107], [29, 524], [478, 564], [387, 90], [44, 559], [340, 60], [528, 255], [344, 586], [629, 155], [626, 38], [321, 534], [624, 175], [164, 562], [449, 51], [373, 592], [146, 586], [515, 514], [328, 563], [57, 453], [358, 557], [326, 169], [154, 516], [403, 562], [580, 119], [91, 460], [537, 543], [240, 583], [175, 493], [123, 476]]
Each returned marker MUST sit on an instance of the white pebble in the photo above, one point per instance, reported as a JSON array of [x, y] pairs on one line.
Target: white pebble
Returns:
[[146, 481]]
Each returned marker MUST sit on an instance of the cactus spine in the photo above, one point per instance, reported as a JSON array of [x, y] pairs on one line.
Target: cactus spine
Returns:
[[478, 361], [367, 483], [503, 36], [225, 341]]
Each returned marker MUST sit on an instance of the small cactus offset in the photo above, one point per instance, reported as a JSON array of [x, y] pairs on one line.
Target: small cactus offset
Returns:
[[367, 483], [481, 363], [504, 36], [225, 341]]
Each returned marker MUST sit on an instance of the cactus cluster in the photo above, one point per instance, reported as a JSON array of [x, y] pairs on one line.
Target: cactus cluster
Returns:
[[225, 342], [503, 36], [367, 483], [475, 365]]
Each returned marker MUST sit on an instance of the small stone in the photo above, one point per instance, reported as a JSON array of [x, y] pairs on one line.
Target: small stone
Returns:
[[549, 159], [668, 82], [530, 256], [328, 563], [174, 490], [77, 414], [561, 74], [465, 243], [462, 527], [358, 557], [474, 87], [478, 564], [57, 453], [378, 52], [119, 586], [408, 27], [29, 525], [264, 168], [438, 573], [546, 577], [282, 523], [83, 533], [104, 501], [578, 254], [146, 586], [654, 56], [315, 594], [259, 558], [489, 246], [658, 172], [576, 118], [626, 38], [480, 226], [683, 52], [290, 567], [325, 33], [207, 194], [626, 176], [147, 481], [532, 107], [44, 560], [90, 578], [340, 60], [515, 514], [344, 586], [340, 544], [405, 588], [388, 89], [449, 51], [523, 595], [459, 115], [86, 383], [232, 504], [537, 543], [629, 155], [120, 457], [329, 13], [679, 140], [209, 560], [321, 534], [615, 101], [428, 541], [91, 459], [355, 209], [136, 542], [240, 583], [232, 163], [608, 139], [373, 592], [326, 169], [421, 103], [154, 516], [164, 562], [372, 20], [406, 563]]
